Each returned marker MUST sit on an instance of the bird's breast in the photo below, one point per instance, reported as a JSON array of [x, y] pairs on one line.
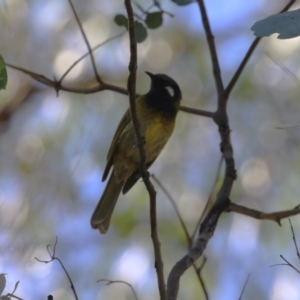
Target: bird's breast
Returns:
[[157, 131]]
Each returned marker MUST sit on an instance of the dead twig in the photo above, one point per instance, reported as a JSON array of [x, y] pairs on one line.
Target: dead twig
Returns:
[[256, 214], [109, 282], [53, 257], [99, 80]]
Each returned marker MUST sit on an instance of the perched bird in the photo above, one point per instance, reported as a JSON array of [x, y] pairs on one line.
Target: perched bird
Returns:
[[156, 112]]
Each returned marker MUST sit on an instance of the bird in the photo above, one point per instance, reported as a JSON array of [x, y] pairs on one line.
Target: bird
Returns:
[[156, 112]]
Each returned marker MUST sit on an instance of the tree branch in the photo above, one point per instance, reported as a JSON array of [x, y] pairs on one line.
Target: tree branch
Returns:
[[109, 282], [140, 142], [99, 80], [222, 202], [247, 56], [57, 86], [256, 214], [212, 48], [87, 54], [206, 232], [52, 258]]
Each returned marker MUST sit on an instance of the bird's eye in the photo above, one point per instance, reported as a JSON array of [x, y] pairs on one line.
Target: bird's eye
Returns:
[[170, 91]]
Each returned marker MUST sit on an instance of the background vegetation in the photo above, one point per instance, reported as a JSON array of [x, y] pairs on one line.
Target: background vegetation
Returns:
[[53, 151]]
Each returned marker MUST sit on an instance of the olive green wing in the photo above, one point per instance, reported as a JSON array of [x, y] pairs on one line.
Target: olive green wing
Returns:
[[135, 176], [122, 125]]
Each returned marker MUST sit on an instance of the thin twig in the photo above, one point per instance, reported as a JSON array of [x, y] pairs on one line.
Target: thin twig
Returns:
[[244, 287], [208, 204], [131, 86], [16, 286], [246, 58], [53, 257], [88, 53], [285, 69], [200, 278], [294, 239], [195, 111], [186, 233], [14, 296], [256, 214], [287, 264], [169, 196], [108, 282], [99, 80]]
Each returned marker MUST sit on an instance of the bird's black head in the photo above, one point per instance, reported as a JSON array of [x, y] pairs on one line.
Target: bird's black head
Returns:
[[164, 94]]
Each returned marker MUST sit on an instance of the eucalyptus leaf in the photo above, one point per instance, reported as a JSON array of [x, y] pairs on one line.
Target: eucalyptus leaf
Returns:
[[286, 24], [183, 2], [140, 31], [121, 20], [154, 20]]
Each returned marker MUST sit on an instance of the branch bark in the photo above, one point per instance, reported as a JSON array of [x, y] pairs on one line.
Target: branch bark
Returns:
[[140, 142]]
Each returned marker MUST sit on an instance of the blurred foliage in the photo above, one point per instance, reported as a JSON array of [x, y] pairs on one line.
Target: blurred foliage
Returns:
[[3, 74], [53, 151]]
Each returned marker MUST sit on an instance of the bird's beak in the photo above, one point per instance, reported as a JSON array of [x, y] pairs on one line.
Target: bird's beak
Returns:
[[149, 74]]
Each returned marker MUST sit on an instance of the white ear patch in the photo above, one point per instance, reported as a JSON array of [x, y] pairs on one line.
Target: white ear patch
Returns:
[[170, 90]]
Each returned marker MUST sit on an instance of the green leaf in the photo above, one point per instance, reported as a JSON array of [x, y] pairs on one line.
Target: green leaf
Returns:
[[287, 24], [183, 2], [154, 20], [3, 74], [140, 32], [121, 20]]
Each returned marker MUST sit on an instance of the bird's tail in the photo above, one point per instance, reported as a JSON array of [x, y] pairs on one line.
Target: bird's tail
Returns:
[[101, 217]]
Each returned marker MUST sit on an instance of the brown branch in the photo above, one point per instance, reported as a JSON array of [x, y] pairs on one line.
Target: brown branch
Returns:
[[189, 239], [200, 278], [99, 80], [57, 86], [109, 282], [206, 232], [140, 142], [198, 112], [52, 258], [256, 214], [221, 119], [212, 48], [246, 58]]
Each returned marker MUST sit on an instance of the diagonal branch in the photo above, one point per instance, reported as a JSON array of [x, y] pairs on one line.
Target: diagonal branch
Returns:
[[54, 257], [140, 142], [212, 48], [87, 54], [256, 214], [188, 237], [206, 232], [247, 56], [99, 80]]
